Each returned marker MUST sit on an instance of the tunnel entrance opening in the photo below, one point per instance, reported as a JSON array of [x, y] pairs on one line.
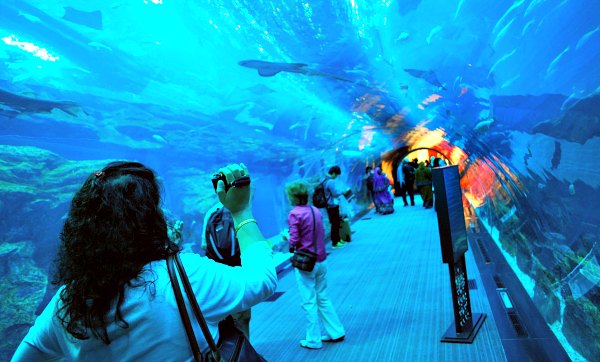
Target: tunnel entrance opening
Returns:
[[391, 161]]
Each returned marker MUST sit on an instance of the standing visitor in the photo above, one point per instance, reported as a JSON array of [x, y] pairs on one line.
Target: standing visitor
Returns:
[[307, 234], [332, 193], [384, 201]]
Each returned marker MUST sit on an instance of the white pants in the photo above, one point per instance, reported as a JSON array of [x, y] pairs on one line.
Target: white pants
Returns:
[[312, 286]]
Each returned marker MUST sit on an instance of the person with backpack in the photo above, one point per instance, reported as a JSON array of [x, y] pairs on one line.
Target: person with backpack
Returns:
[[369, 183], [221, 245], [408, 173], [326, 195], [424, 182], [307, 236]]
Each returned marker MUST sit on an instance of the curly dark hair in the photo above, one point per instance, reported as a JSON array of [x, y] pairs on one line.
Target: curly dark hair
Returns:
[[115, 226]]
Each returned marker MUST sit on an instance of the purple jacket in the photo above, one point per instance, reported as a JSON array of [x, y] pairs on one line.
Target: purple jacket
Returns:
[[301, 230]]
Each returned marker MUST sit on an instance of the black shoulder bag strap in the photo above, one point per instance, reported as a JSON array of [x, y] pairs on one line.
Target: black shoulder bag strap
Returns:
[[195, 308], [314, 230]]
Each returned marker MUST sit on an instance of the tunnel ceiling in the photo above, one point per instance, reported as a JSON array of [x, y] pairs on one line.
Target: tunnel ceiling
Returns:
[[232, 77]]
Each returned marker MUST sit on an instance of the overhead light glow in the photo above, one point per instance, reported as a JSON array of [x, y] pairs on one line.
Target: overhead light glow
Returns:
[[37, 51]]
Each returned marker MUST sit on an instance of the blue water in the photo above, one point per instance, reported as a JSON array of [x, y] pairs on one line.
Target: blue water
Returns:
[[515, 86]]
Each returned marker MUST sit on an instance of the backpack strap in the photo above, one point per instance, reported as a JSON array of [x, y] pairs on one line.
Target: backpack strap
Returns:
[[211, 238], [314, 230]]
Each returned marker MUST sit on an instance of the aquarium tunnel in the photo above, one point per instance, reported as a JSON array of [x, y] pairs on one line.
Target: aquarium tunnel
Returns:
[[509, 91]]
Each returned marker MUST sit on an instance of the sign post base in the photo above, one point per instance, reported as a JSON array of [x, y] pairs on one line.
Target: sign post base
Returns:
[[452, 336]]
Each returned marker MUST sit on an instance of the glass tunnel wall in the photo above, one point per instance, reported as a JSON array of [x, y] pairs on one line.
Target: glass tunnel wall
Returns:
[[509, 91]]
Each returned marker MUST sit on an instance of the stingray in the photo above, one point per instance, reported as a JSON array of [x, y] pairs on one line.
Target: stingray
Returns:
[[269, 69], [428, 75], [92, 19], [23, 104]]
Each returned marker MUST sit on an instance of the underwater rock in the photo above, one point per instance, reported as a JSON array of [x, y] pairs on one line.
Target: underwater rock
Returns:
[[39, 184], [23, 285], [580, 326], [548, 304], [578, 123], [522, 113]]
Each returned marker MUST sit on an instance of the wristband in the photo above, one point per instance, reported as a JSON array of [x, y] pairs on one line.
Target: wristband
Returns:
[[245, 222]]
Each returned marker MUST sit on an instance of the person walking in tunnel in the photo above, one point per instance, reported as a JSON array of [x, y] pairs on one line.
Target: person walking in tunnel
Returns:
[[369, 183], [436, 162], [408, 185], [384, 201], [424, 183], [116, 300], [307, 235], [332, 194]]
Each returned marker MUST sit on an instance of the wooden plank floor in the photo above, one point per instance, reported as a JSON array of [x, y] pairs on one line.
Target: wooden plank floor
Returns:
[[392, 293]]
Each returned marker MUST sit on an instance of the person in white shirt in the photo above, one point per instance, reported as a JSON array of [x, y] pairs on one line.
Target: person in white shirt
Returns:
[[116, 302]]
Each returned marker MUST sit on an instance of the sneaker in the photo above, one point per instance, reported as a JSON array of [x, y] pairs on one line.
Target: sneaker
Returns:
[[304, 344], [339, 245], [332, 340]]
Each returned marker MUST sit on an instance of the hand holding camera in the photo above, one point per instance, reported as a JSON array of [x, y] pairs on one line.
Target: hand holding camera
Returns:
[[231, 185], [349, 195]]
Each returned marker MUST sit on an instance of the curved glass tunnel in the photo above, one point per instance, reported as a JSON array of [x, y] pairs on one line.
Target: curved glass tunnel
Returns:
[[507, 91]]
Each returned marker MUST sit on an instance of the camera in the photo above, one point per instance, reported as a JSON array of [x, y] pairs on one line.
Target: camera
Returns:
[[349, 195], [242, 181]]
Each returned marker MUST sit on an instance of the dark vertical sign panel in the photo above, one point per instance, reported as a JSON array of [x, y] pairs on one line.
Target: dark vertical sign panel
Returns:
[[453, 239], [451, 216]]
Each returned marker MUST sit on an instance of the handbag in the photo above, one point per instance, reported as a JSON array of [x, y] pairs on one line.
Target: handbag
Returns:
[[233, 344], [305, 260]]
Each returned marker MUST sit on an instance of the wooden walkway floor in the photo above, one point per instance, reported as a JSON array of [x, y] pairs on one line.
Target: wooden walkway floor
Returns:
[[392, 293]]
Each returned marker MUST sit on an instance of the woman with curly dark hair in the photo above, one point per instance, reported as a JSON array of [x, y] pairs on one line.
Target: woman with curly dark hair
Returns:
[[116, 301]]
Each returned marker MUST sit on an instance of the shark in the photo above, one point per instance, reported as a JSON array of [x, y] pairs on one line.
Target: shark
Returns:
[[428, 75], [14, 104], [269, 69]]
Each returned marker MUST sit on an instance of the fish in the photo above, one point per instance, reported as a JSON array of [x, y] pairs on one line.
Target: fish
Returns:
[[571, 189], [526, 27], [506, 14], [533, 5], [31, 18], [503, 58], [570, 101], [484, 125], [20, 104], [159, 138], [428, 75], [403, 36], [502, 33], [585, 38], [510, 81], [96, 45], [269, 69], [552, 67], [433, 31], [460, 4]]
